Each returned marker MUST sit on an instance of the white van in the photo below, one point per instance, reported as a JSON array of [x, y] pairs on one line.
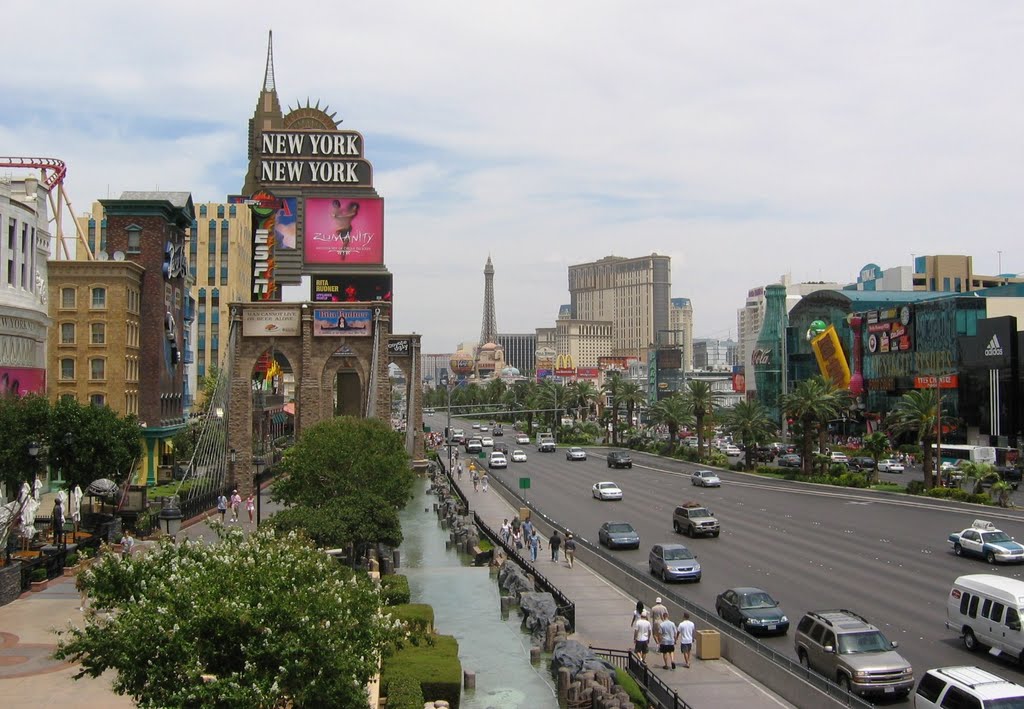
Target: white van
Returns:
[[986, 610]]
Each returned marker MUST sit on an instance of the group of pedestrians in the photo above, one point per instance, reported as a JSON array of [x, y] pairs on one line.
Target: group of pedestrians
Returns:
[[479, 477], [657, 626], [235, 502]]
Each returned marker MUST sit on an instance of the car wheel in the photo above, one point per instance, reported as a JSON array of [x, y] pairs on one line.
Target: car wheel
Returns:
[[689, 531], [958, 550], [652, 571], [970, 642], [715, 534], [675, 526], [990, 557], [801, 657], [664, 576], [844, 682], [609, 464], [721, 612]]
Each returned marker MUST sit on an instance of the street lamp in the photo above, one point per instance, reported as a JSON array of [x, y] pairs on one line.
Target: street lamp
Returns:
[[258, 462], [232, 459], [33, 453], [170, 517], [442, 380]]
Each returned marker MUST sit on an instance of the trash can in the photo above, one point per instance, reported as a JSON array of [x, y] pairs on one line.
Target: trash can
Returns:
[[709, 644]]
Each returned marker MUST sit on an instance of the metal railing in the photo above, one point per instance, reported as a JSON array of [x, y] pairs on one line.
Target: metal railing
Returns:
[[652, 685], [201, 503]]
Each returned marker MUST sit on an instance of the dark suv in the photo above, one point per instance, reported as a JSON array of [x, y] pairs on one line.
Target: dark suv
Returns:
[[619, 459]]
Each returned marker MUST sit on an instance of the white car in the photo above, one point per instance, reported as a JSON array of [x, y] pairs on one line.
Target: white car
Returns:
[[890, 465], [607, 491], [575, 453], [522, 438], [484, 429], [487, 442], [476, 427], [497, 460], [838, 457], [705, 478], [732, 451], [518, 456]]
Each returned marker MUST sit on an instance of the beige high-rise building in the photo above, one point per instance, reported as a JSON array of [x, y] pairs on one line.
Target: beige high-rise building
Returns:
[[680, 324], [583, 340], [954, 274], [631, 293]]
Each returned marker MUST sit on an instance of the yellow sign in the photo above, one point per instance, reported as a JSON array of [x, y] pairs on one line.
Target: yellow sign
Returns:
[[831, 360], [564, 361]]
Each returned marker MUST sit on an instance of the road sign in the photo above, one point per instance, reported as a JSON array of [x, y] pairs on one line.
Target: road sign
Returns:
[[524, 483]]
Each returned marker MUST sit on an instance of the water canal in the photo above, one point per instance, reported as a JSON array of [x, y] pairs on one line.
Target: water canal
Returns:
[[466, 605]]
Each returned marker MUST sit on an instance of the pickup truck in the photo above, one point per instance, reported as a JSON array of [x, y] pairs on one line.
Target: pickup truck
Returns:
[[545, 443]]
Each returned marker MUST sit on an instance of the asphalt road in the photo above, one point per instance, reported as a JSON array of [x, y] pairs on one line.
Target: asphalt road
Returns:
[[812, 547]]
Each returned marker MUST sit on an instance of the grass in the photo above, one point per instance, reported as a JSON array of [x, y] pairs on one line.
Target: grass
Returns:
[[888, 487], [485, 544], [168, 489]]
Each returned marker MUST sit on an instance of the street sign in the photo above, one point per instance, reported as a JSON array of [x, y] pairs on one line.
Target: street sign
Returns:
[[481, 455], [524, 483]]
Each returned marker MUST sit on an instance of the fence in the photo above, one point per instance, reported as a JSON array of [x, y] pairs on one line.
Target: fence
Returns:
[[654, 688], [193, 506]]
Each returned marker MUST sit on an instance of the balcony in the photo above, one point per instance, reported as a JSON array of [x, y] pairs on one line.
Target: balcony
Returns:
[[263, 400], [190, 311], [187, 357]]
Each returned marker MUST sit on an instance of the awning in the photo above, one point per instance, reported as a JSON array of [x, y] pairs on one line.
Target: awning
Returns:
[[289, 409], [280, 417]]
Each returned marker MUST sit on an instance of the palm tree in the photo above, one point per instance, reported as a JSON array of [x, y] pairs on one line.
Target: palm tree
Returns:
[[554, 397], [674, 412], [582, 396], [814, 402], [701, 401], [632, 395], [493, 391], [917, 412], [876, 445], [613, 390], [751, 423]]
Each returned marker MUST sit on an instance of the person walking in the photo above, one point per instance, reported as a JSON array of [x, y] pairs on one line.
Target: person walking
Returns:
[[527, 529], [476, 479], [534, 545], [555, 542], [222, 506], [517, 537], [667, 642], [236, 502], [460, 470], [250, 506], [637, 612], [658, 612], [570, 549], [506, 531], [686, 638], [642, 636], [483, 481]]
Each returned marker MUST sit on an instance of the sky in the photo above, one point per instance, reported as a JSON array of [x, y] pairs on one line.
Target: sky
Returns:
[[746, 140]]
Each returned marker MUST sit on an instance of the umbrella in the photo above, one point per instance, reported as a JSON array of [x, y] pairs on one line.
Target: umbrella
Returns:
[[102, 488], [26, 492], [76, 504], [28, 512], [37, 489]]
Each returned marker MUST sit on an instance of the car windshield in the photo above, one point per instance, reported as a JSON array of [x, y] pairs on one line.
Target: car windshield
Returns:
[[1008, 703], [620, 528], [995, 537], [677, 554], [699, 511], [706, 474], [869, 641], [757, 600]]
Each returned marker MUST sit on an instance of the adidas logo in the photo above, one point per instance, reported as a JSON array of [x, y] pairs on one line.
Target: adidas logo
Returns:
[[993, 348]]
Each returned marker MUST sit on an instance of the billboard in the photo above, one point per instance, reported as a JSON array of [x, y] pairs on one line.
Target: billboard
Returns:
[[343, 231], [888, 330], [342, 322], [670, 359], [270, 322], [992, 347], [273, 230], [309, 158], [610, 363], [19, 381], [350, 289], [831, 360]]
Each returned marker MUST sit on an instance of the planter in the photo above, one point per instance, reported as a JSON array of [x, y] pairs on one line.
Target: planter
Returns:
[[72, 570], [39, 586]]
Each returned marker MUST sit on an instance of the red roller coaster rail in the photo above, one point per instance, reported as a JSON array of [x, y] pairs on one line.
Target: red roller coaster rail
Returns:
[[54, 169]]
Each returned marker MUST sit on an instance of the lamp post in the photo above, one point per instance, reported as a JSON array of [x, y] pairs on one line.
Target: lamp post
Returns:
[[232, 459], [258, 462], [170, 517], [442, 379]]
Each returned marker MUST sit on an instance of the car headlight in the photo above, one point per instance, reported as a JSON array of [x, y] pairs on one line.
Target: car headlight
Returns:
[[860, 673], [783, 619], [907, 671], [696, 566]]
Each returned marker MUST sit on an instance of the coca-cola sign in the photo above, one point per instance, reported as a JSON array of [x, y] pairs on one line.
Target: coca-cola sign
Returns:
[[761, 357]]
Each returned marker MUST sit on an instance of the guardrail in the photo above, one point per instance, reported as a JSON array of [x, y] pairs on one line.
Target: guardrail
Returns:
[[743, 650], [656, 690]]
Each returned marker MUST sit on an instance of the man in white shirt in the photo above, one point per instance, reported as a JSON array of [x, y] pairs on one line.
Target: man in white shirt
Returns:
[[686, 638], [642, 636]]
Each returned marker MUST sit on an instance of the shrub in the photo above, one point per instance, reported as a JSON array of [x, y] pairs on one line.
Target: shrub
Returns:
[[719, 460], [950, 493], [915, 487], [71, 559], [39, 574], [629, 684], [418, 616], [851, 480], [394, 589], [981, 499], [403, 692], [434, 666]]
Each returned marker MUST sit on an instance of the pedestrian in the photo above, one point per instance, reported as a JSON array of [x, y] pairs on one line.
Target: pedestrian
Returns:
[[476, 480], [534, 544], [641, 636], [483, 481], [527, 529], [222, 506], [127, 544], [658, 612], [236, 502], [570, 549], [686, 638], [667, 642], [460, 470], [506, 531], [250, 506], [637, 612], [517, 538], [555, 542]]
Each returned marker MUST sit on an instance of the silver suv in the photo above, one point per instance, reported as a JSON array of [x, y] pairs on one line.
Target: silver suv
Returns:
[[845, 647], [694, 520]]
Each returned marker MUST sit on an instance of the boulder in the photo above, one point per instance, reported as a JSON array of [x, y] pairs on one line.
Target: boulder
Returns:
[[577, 657], [512, 581], [539, 610]]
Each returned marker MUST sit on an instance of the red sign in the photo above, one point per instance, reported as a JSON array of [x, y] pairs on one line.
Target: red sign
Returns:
[[946, 381], [565, 372], [739, 383], [587, 372]]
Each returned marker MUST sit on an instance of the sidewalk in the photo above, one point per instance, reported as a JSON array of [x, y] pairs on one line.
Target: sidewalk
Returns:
[[604, 612]]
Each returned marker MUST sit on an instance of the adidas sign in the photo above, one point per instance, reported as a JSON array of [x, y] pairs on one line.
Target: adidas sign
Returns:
[[993, 348]]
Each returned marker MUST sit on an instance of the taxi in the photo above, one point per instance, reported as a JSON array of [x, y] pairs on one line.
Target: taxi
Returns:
[[984, 540]]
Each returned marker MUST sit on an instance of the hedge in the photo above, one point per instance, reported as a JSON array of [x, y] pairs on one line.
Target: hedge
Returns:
[[403, 692], [434, 665], [636, 695], [419, 617], [394, 588]]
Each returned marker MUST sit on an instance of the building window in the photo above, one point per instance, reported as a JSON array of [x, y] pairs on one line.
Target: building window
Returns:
[[211, 246], [67, 298], [97, 399], [231, 210], [134, 240], [67, 333], [99, 298], [98, 333], [958, 285], [97, 369], [202, 210], [945, 284], [67, 369], [220, 211], [92, 235]]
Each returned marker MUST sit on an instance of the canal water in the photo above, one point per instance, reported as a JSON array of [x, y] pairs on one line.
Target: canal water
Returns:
[[466, 605]]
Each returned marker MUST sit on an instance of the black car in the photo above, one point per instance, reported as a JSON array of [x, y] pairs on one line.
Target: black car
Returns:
[[753, 610], [862, 463], [499, 446], [789, 460], [619, 459], [497, 431], [618, 535]]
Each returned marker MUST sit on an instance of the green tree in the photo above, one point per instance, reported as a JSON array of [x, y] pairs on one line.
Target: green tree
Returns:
[[613, 389], [876, 445], [917, 413], [814, 402], [673, 412], [22, 421], [632, 396], [553, 397], [256, 621], [583, 397], [88, 442], [208, 385], [354, 468], [750, 423], [701, 401]]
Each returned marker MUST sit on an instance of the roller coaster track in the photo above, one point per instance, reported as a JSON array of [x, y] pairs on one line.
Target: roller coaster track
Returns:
[[54, 169]]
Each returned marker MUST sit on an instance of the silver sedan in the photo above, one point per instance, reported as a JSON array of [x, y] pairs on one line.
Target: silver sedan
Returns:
[[607, 491]]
